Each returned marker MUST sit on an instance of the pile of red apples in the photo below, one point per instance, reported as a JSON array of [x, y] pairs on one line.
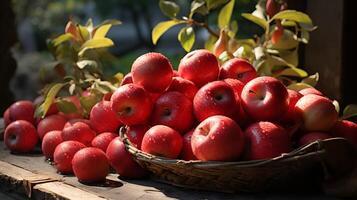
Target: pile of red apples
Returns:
[[203, 111]]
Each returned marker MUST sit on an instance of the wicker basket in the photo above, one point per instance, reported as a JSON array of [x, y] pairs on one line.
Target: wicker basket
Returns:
[[332, 157]]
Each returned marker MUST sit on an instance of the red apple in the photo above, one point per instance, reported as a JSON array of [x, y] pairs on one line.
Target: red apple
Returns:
[[107, 96], [175, 73], [236, 84], [132, 104], [312, 137], [272, 7], [63, 155], [217, 138], [121, 160], [215, 98], [103, 118], [50, 142], [345, 129], [173, 109], [128, 78], [310, 90], [153, 71], [76, 102], [50, 123], [154, 96], [102, 140], [136, 133], [238, 68], [90, 164], [20, 136], [199, 66], [266, 140], [186, 152], [22, 110], [290, 116], [317, 112], [6, 117], [78, 131], [162, 141], [265, 99], [186, 87]]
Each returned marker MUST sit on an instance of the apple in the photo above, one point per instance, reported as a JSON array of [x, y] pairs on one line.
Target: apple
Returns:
[[173, 109], [50, 123], [154, 96], [186, 152], [162, 141], [6, 117], [102, 140], [265, 99], [90, 165], [136, 133], [107, 96], [272, 7], [236, 84], [238, 68], [217, 138], [50, 142], [175, 73], [215, 98], [199, 66], [186, 87], [345, 129], [132, 104], [290, 116], [128, 78], [312, 137], [153, 71], [22, 110], [278, 32], [310, 90], [266, 140], [121, 160], [51, 111], [78, 131], [63, 155], [20, 136], [103, 118], [317, 113]]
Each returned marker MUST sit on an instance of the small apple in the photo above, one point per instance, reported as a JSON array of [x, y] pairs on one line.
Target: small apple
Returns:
[[50, 142], [78, 131], [128, 78], [103, 118], [107, 96], [102, 140], [265, 99], [238, 68], [186, 87], [153, 71], [186, 152], [175, 73], [90, 165], [199, 66], [22, 110], [6, 116], [310, 90], [63, 155], [132, 104], [217, 138], [20, 136], [290, 116], [50, 123], [312, 137], [173, 109], [345, 129], [236, 84], [162, 141], [136, 133]]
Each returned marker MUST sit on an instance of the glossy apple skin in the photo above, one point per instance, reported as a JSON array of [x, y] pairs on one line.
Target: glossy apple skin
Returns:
[[50, 142], [22, 110], [78, 131], [90, 165], [128, 78], [186, 152], [346, 129], [265, 99], [107, 96], [122, 161], [132, 104], [317, 112], [103, 118], [215, 98], [266, 140], [20, 136], [199, 66], [313, 137], [136, 134], [290, 116], [173, 109], [186, 87], [102, 140], [217, 138], [63, 155], [50, 123], [6, 117], [237, 85], [153, 71], [162, 141], [310, 90], [238, 68]]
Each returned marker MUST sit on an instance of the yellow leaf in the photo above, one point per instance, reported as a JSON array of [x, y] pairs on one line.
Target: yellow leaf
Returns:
[[102, 31], [161, 28], [94, 44]]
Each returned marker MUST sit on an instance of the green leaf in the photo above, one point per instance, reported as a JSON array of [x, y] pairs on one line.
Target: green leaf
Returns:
[[187, 38], [169, 8], [225, 14], [66, 107], [83, 32], [233, 29], [298, 86], [311, 80], [349, 111], [305, 36], [94, 44], [50, 97], [209, 44], [112, 22], [87, 103], [257, 20], [288, 23], [84, 63], [293, 15], [293, 71], [212, 4], [291, 57], [161, 28], [62, 38], [337, 105], [102, 31], [198, 6]]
